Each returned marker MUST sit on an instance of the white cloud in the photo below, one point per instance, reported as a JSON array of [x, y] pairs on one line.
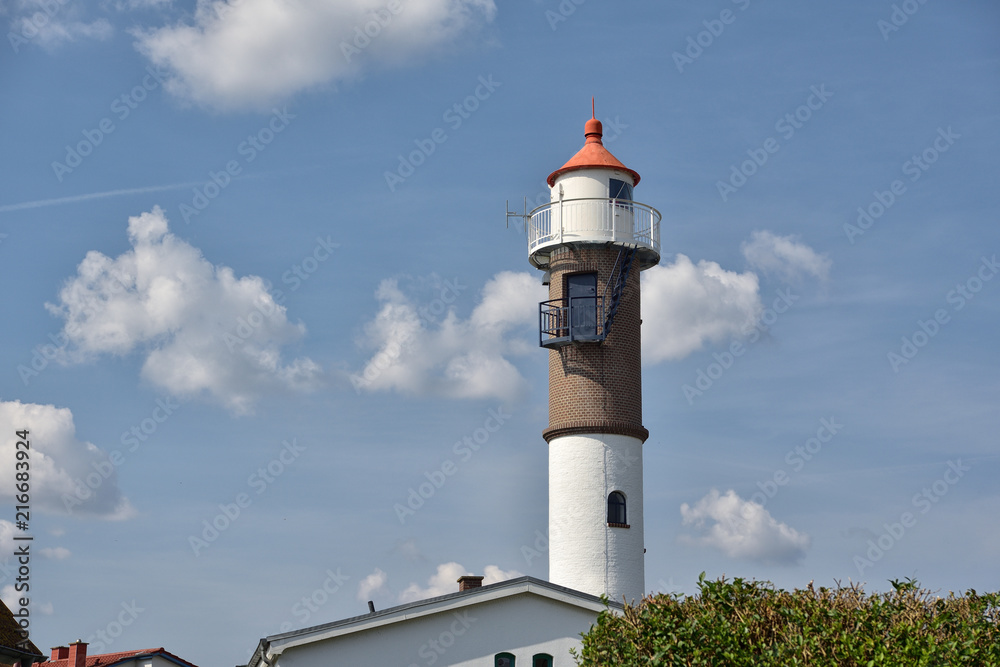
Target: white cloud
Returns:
[[453, 357], [442, 582], [445, 581], [494, 575], [6, 538], [67, 475], [685, 305], [56, 553], [132, 5], [784, 256], [9, 596], [374, 583], [409, 549], [51, 24], [254, 53], [203, 331], [742, 529]]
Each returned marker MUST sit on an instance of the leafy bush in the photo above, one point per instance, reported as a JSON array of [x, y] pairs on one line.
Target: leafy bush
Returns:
[[744, 623]]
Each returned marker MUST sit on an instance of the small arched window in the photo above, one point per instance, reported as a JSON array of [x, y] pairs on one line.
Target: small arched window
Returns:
[[541, 660], [503, 660], [616, 510]]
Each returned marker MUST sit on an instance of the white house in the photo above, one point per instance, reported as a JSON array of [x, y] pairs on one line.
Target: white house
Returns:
[[515, 623]]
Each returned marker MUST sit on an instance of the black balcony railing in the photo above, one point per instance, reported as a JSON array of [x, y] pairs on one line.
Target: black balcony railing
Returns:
[[565, 321]]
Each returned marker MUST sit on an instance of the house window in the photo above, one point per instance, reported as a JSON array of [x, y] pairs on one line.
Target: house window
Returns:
[[616, 509], [541, 660], [582, 291], [503, 660]]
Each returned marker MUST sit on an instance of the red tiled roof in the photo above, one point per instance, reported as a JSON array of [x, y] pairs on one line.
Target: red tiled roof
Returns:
[[593, 154], [10, 634], [106, 659]]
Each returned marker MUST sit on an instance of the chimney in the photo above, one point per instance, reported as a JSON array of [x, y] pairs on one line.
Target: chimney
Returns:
[[467, 582], [77, 654], [59, 653]]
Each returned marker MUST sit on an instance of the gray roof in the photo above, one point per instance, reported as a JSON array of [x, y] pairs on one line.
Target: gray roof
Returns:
[[470, 593]]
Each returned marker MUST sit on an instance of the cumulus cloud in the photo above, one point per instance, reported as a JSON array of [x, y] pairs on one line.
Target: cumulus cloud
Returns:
[[494, 575], [742, 529], [10, 596], [374, 583], [445, 581], [203, 331], [417, 354], [784, 257], [685, 305], [6, 539], [409, 549], [67, 475], [252, 54], [51, 24], [56, 553], [131, 5]]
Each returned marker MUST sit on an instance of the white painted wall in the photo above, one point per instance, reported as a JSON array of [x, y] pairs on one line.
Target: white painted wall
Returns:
[[152, 661], [585, 554], [521, 624], [579, 221]]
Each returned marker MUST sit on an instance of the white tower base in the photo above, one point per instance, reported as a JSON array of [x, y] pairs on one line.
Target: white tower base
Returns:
[[585, 553]]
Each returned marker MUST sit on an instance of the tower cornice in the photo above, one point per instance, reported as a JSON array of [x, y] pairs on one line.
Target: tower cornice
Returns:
[[590, 426]]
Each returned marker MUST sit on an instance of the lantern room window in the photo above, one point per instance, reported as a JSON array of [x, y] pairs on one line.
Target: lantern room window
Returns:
[[619, 189]]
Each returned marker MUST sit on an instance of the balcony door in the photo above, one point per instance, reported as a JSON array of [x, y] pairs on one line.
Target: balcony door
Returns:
[[582, 290]]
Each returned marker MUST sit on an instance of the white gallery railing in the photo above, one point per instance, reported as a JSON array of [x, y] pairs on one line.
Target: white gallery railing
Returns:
[[594, 219]]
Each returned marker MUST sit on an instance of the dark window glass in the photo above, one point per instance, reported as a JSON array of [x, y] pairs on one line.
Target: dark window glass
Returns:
[[541, 660], [503, 660], [619, 189], [582, 290], [616, 507]]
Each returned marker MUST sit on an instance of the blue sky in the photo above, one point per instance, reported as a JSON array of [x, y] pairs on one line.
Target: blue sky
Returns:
[[257, 263]]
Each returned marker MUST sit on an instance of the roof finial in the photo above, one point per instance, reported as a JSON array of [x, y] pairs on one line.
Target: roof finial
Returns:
[[592, 129]]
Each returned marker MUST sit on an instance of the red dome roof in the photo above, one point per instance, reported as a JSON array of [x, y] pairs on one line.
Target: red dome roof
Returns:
[[592, 155]]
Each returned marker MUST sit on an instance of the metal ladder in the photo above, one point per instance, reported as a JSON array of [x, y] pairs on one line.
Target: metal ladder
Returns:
[[619, 276]]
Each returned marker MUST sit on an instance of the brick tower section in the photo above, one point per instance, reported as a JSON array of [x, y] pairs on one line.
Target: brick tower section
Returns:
[[597, 387]]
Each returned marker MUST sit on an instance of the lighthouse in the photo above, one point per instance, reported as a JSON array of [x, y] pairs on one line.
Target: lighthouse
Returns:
[[592, 240]]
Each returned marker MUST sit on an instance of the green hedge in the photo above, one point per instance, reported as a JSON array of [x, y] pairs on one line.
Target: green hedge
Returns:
[[739, 623]]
